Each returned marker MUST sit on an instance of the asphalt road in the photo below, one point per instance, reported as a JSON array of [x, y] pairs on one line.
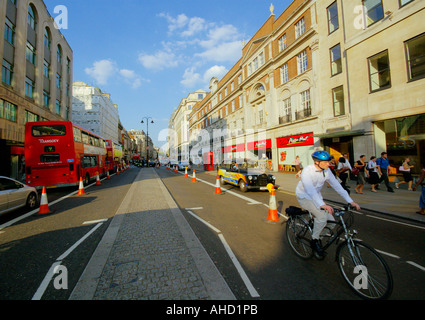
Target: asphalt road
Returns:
[[30, 247], [265, 256]]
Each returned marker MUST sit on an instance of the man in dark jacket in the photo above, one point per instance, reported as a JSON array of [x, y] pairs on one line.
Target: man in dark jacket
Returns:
[[384, 164]]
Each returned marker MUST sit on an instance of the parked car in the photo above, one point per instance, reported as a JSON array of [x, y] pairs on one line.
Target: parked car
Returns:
[[14, 195], [182, 165], [245, 176]]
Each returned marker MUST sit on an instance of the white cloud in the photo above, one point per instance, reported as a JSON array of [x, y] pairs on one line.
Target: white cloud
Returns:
[[132, 78], [215, 71], [102, 70], [190, 78], [159, 60], [228, 51]]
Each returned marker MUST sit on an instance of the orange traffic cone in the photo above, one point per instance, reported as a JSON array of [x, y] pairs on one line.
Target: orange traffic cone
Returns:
[[81, 188], [217, 186], [118, 171], [185, 172], [44, 205], [107, 175], [194, 176], [97, 179], [273, 215]]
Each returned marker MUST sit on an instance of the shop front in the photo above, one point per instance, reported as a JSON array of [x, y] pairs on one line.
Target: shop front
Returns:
[[261, 151], [290, 147], [234, 153], [401, 138]]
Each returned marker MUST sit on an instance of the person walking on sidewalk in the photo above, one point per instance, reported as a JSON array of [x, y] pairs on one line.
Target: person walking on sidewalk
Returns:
[[361, 177], [422, 197], [298, 166], [373, 168], [309, 196], [407, 176], [384, 165], [344, 167]]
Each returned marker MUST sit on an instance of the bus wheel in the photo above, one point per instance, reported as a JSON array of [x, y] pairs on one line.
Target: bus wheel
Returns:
[[87, 179]]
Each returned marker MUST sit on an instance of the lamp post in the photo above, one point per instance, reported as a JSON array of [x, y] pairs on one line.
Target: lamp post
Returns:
[[147, 135]]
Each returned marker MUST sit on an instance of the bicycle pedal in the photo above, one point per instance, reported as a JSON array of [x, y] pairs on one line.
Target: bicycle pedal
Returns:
[[319, 256]]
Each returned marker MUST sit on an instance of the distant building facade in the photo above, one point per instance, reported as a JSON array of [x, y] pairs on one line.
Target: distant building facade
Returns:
[[94, 110]]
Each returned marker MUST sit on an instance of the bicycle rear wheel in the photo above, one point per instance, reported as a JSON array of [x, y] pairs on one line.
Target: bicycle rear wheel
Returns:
[[299, 237], [365, 270]]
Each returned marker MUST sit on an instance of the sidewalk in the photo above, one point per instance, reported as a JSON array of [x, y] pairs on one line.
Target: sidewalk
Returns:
[[402, 203], [150, 252]]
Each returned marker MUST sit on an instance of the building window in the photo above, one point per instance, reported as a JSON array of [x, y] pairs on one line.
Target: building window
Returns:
[[379, 71], [305, 105], [302, 62], [31, 117], [299, 28], [373, 11], [47, 39], [7, 73], [233, 106], [404, 2], [32, 22], [46, 69], [59, 54], [7, 110], [58, 81], [29, 88], [338, 101], [333, 17], [336, 62], [415, 52], [9, 32], [58, 107], [30, 53], [282, 43], [241, 101], [285, 111], [46, 99], [284, 75]]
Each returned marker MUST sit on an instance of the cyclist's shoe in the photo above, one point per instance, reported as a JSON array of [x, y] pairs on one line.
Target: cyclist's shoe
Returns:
[[315, 245]]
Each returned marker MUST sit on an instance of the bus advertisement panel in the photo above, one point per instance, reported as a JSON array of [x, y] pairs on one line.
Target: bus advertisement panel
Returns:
[[58, 153]]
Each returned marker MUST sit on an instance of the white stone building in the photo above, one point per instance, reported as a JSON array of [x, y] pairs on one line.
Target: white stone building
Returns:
[[94, 110]]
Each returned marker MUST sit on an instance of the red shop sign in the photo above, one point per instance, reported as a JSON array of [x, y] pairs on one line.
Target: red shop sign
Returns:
[[305, 139], [258, 145], [235, 148]]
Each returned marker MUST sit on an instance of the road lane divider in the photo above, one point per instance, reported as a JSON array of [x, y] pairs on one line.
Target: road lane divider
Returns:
[[46, 281], [252, 291]]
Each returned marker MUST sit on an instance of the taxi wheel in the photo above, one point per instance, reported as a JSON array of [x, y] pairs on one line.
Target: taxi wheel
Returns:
[[243, 186], [222, 182]]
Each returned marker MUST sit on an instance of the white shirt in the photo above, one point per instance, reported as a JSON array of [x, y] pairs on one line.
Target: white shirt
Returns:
[[312, 182], [344, 165]]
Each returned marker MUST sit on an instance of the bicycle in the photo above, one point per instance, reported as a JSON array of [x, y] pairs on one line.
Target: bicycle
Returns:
[[361, 266]]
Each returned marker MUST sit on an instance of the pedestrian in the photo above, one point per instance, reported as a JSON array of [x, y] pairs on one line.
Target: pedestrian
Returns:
[[298, 166], [422, 197], [344, 167], [373, 168], [384, 165], [361, 177], [407, 175]]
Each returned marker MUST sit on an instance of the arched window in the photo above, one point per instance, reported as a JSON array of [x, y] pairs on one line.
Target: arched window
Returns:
[[47, 38], [32, 18], [59, 54]]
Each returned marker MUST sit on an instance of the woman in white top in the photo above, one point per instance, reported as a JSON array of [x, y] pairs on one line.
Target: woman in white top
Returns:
[[373, 173], [405, 170]]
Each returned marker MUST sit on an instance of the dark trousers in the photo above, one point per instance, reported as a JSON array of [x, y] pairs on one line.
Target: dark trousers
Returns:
[[384, 178]]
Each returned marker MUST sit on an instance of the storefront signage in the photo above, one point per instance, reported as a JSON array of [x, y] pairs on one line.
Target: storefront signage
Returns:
[[235, 148], [305, 139], [259, 145]]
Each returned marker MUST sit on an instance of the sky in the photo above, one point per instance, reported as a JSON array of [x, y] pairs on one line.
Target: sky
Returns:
[[150, 54]]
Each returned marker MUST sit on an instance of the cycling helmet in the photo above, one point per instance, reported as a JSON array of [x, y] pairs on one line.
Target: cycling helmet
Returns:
[[321, 156]]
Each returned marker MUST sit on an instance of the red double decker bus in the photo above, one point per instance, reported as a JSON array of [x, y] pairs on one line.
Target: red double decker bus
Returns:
[[58, 153]]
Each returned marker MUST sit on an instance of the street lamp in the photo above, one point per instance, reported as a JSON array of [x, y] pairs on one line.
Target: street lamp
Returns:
[[147, 135]]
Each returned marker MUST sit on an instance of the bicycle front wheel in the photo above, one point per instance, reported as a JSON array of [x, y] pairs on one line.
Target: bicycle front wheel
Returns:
[[299, 237], [365, 270]]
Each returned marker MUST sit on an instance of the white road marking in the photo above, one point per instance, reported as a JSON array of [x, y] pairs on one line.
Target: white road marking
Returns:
[[198, 208], [405, 224], [232, 256], [416, 265], [388, 254], [94, 221]]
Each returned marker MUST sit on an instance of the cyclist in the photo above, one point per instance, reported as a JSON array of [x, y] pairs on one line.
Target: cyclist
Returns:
[[313, 177]]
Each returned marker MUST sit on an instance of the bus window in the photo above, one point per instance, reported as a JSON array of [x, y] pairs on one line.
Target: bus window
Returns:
[[50, 158], [77, 134], [85, 138], [42, 131], [96, 142]]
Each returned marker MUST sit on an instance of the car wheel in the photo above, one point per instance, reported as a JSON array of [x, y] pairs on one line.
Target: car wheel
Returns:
[[87, 179], [222, 182], [31, 201], [243, 186]]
